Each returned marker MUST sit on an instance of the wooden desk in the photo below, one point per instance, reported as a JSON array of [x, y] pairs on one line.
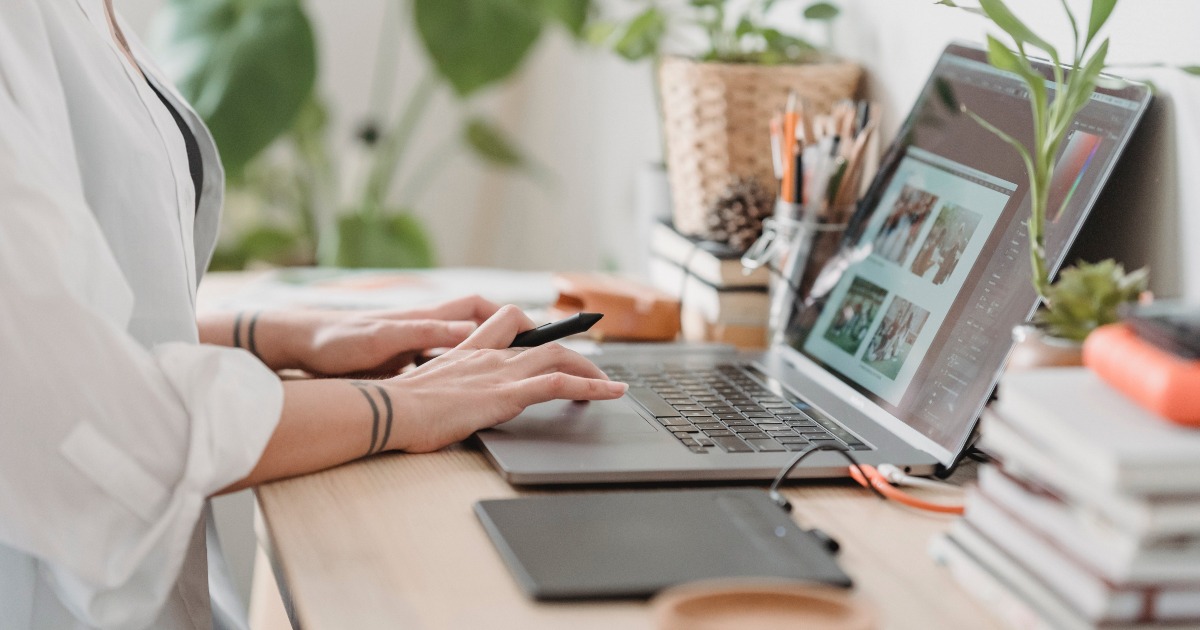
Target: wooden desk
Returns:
[[392, 542]]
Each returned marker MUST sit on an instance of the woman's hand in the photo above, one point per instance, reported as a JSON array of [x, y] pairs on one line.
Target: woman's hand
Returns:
[[483, 382], [333, 343]]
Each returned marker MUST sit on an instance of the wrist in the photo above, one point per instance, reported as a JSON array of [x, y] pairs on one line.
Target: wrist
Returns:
[[269, 336]]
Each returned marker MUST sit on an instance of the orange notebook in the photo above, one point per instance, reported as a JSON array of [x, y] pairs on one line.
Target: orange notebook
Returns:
[[1156, 379]]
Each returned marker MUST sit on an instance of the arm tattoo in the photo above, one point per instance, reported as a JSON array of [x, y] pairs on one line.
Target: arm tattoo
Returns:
[[374, 416], [387, 426], [237, 330], [250, 334]]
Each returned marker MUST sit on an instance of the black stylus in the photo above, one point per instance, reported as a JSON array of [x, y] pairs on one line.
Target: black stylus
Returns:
[[554, 331]]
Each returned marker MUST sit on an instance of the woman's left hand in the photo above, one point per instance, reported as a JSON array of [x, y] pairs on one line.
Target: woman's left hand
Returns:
[[325, 343]]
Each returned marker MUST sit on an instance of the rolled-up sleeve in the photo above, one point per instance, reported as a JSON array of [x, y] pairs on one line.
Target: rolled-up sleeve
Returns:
[[108, 450]]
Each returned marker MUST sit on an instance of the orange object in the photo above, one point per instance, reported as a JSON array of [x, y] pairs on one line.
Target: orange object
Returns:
[[875, 479], [632, 311], [1160, 381]]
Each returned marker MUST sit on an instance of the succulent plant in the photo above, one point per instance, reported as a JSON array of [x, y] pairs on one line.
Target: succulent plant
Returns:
[[1087, 296]]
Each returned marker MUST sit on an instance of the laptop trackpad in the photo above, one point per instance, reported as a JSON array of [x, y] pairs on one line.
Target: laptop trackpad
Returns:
[[563, 417]]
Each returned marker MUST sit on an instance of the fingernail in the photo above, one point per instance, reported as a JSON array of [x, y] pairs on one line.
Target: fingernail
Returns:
[[617, 388], [461, 328]]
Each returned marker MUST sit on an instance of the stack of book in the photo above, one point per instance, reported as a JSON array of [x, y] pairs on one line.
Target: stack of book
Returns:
[[718, 301], [1091, 518]]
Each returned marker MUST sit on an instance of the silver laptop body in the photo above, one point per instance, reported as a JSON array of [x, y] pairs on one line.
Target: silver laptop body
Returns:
[[905, 388]]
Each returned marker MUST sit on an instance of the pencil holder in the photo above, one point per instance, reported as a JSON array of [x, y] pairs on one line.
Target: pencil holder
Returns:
[[794, 250]]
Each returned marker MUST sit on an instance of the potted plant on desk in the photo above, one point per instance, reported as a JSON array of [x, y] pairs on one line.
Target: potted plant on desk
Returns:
[[716, 105], [1087, 295]]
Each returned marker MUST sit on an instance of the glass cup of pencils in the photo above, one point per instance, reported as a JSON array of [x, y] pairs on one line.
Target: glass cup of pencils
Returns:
[[822, 163]]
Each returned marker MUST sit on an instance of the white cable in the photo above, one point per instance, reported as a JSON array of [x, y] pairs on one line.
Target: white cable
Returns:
[[897, 477]]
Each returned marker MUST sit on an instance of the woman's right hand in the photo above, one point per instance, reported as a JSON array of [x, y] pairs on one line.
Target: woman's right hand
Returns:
[[483, 382]]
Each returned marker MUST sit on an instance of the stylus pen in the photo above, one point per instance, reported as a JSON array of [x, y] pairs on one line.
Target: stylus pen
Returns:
[[554, 331]]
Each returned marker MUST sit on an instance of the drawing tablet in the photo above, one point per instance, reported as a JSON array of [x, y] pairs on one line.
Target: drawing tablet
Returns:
[[634, 544]]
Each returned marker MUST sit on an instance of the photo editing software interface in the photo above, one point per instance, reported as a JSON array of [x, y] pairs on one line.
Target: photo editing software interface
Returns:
[[935, 266]]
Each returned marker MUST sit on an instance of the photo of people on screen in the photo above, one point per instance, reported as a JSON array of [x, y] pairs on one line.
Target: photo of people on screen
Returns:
[[903, 224], [945, 244], [895, 337], [855, 315]]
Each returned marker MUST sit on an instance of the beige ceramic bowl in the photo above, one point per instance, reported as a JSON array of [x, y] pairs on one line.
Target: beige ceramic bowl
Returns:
[[760, 605]]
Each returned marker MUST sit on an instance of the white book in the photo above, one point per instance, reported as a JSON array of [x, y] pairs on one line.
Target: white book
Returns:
[[1011, 593], [1100, 433], [1141, 517], [739, 306], [1090, 595], [716, 264], [1090, 537]]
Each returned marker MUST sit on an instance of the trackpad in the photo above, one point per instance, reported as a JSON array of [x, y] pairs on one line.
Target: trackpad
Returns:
[[563, 417]]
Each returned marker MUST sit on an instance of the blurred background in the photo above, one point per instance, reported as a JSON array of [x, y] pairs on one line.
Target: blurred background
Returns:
[[453, 132]]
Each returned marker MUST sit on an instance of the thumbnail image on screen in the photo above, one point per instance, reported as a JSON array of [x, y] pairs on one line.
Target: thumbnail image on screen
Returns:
[[855, 315], [903, 224], [944, 246], [895, 337]]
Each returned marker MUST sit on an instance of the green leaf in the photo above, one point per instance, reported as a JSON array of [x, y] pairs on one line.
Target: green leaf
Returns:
[[246, 67], [489, 143], [1000, 56], [822, 11], [999, 13], [474, 43], [1193, 70], [572, 14], [643, 35], [382, 240], [1101, 11]]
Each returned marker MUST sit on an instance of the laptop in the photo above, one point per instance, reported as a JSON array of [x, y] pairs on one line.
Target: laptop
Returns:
[[900, 345]]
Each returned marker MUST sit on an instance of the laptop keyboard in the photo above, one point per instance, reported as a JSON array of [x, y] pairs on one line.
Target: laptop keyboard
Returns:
[[724, 407]]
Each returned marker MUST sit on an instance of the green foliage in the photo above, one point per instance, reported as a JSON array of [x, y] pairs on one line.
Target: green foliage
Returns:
[[1052, 117], [1088, 296], [247, 67], [732, 34], [383, 240], [490, 143], [474, 43]]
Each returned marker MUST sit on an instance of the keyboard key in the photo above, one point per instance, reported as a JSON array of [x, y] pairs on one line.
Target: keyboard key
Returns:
[[771, 426], [709, 425], [795, 446], [698, 449], [757, 414], [744, 429], [740, 423], [791, 439], [767, 445], [814, 430], [652, 402], [729, 416], [731, 444], [670, 422], [695, 414], [678, 401], [722, 409], [687, 441], [716, 433], [704, 441]]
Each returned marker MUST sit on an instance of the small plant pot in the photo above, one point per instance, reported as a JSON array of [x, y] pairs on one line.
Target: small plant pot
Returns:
[[1036, 349], [382, 240]]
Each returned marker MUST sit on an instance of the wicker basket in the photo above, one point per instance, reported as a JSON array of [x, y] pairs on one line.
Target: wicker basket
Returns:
[[717, 119]]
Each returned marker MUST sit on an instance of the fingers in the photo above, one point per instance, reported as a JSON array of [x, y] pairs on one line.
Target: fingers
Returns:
[[500, 329], [473, 308], [562, 386], [426, 334], [553, 357]]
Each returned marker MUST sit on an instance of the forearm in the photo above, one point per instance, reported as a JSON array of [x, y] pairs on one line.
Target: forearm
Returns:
[[263, 333], [325, 423]]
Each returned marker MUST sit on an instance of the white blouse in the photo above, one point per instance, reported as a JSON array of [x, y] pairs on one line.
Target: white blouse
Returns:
[[115, 424]]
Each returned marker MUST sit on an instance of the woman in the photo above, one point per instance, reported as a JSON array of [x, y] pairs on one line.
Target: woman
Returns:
[[119, 416]]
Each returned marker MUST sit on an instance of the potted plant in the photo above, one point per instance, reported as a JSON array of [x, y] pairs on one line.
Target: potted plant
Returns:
[[1087, 295], [716, 103], [470, 44]]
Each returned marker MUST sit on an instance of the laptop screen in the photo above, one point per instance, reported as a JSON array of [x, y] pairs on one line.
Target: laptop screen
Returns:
[[934, 271]]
